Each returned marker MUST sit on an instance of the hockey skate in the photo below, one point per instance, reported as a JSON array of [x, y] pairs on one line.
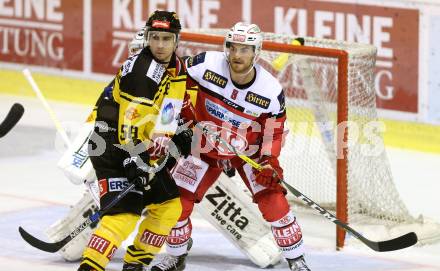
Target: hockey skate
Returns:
[[298, 264], [173, 263], [132, 267]]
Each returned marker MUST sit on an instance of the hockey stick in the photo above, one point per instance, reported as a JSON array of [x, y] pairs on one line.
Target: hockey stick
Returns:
[[36, 89], [13, 116], [397, 243], [54, 247]]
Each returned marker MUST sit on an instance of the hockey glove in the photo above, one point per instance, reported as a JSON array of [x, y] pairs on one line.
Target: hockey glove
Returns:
[[136, 174], [229, 172], [183, 141], [271, 174]]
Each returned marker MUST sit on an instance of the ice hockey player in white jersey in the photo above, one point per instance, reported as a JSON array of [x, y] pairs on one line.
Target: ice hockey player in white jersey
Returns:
[[244, 104]]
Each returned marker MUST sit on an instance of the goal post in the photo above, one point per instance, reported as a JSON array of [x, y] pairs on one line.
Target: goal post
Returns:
[[334, 152]]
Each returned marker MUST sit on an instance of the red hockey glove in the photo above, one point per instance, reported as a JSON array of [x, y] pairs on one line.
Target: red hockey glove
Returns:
[[272, 173]]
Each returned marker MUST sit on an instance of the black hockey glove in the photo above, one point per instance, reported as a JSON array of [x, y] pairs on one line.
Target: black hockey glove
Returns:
[[182, 141], [229, 172], [136, 174]]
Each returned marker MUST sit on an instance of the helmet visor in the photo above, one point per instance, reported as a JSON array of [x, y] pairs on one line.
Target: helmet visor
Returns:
[[239, 49], [161, 39]]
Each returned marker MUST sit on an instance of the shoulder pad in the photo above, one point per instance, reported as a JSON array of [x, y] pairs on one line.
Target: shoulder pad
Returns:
[[195, 60], [128, 65]]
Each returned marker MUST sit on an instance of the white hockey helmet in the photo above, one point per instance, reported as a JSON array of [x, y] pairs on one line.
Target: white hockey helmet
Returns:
[[137, 43], [247, 34]]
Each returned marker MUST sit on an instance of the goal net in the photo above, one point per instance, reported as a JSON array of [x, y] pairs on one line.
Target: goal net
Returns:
[[334, 151]]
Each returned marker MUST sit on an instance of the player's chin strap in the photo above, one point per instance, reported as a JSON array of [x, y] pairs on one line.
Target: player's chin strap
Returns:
[[397, 243]]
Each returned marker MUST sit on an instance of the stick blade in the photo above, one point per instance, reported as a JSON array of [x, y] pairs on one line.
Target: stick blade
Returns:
[[400, 242], [14, 115], [41, 245]]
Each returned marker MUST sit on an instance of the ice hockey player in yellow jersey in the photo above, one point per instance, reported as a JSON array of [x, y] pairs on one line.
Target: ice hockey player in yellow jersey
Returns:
[[139, 112]]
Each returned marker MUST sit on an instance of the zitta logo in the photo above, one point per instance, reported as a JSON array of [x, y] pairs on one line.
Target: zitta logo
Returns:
[[226, 211]]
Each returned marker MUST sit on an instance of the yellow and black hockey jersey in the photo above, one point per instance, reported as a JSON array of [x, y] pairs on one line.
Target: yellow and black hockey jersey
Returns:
[[147, 98]]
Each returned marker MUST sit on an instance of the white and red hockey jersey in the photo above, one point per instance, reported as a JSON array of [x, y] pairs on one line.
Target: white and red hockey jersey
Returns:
[[251, 117]]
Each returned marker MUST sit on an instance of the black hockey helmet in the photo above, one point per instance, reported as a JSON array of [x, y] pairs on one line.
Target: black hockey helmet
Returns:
[[166, 21]]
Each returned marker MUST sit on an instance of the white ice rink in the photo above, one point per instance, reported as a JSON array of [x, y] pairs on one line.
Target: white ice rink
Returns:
[[34, 194]]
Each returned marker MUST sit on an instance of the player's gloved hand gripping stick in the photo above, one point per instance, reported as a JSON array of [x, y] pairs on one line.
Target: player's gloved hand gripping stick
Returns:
[[54, 247]]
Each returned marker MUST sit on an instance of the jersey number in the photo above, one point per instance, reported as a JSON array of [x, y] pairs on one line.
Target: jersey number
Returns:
[[128, 132]]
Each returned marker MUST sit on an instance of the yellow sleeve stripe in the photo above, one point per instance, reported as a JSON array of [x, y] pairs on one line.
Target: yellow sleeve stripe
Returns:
[[138, 100]]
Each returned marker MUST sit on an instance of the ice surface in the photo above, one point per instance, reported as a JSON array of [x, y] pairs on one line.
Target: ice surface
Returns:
[[34, 194]]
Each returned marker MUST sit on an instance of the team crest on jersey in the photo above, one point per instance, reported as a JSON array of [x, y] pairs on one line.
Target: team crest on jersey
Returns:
[[132, 113], [215, 78], [234, 94], [257, 100], [192, 61]]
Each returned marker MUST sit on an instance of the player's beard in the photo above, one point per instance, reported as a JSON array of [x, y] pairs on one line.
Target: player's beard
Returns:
[[240, 68], [163, 58]]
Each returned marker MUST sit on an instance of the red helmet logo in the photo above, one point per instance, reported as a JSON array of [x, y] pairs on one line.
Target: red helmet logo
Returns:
[[239, 38], [161, 24]]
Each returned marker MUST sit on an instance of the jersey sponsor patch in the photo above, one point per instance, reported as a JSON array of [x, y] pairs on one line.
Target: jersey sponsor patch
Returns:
[[127, 67], [155, 71], [252, 113], [117, 184], [231, 104], [254, 186], [112, 252], [189, 173], [98, 243], [153, 239], [215, 78], [288, 235], [193, 61], [257, 100], [167, 118], [221, 113], [179, 236], [103, 187]]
